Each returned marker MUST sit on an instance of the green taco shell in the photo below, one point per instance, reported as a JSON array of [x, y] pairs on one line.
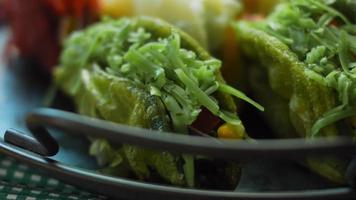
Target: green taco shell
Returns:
[[100, 94], [293, 102]]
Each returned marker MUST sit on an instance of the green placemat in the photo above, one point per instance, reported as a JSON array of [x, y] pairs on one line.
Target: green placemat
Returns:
[[20, 182]]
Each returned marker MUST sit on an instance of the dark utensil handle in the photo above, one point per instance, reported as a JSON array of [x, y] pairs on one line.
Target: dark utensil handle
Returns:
[[43, 144]]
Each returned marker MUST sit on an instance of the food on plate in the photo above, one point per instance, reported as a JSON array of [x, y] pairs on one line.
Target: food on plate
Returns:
[[302, 68], [145, 72], [142, 71]]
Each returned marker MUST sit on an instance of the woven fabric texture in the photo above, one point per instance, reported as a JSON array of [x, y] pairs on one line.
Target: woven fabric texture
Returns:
[[20, 182]]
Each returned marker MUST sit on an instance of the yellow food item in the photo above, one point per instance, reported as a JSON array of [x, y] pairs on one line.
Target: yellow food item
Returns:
[[230, 131], [231, 70], [116, 8], [185, 14]]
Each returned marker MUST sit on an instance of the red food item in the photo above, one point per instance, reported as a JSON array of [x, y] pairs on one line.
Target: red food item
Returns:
[[334, 23], [36, 26], [206, 122]]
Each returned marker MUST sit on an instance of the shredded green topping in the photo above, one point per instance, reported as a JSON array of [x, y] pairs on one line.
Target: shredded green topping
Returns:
[[184, 82], [325, 40]]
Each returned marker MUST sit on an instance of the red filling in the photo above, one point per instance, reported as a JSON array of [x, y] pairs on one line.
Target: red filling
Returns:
[[206, 122]]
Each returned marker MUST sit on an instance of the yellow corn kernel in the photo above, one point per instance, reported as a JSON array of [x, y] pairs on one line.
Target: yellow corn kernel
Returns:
[[116, 8], [230, 131]]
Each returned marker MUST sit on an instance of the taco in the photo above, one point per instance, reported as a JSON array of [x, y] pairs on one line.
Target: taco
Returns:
[[144, 72], [303, 70]]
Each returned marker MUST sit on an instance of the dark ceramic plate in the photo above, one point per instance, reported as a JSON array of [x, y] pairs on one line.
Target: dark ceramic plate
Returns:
[[266, 173]]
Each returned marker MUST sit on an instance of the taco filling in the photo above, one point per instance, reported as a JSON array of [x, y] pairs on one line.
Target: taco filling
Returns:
[[144, 72]]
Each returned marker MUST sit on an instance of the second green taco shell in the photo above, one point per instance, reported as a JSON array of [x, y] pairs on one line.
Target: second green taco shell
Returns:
[[297, 75]]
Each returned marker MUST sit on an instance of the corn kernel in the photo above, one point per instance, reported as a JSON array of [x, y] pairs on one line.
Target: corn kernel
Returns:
[[230, 131]]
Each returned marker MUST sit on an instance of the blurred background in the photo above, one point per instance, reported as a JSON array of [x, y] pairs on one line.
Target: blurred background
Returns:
[[38, 27]]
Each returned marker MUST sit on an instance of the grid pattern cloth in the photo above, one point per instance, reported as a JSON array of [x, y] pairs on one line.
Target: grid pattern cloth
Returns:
[[20, 182]]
